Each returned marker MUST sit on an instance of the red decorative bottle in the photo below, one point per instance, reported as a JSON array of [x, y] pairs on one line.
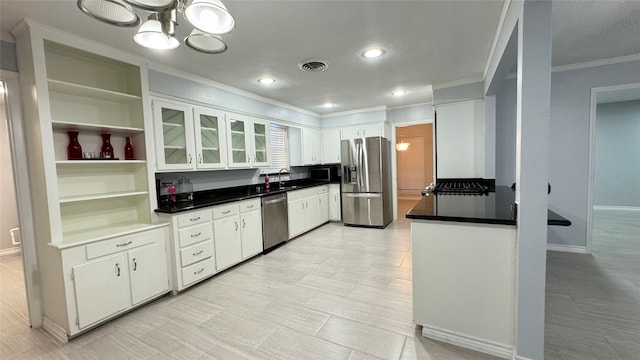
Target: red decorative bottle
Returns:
[[128, 149], [74, 150], [107, 149]]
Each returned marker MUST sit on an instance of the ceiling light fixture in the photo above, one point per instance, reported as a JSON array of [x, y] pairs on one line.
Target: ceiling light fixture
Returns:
[[398, 93], [328, 105], [373, 53], [210, 18], [266, 81], [402, 146]]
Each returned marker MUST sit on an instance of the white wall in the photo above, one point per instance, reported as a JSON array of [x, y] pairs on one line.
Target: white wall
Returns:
[[458, 93], [617, 154], [374, 115], [412, 113], [506, 133], [9, 209], [8, 59]]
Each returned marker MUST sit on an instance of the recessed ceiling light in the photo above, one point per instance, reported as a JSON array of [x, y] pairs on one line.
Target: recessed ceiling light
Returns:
[[398, 93], [328, 105], [373, 53], [266, 81]]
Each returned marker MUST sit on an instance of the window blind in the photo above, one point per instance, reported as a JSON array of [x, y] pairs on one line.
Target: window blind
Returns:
[[279, 147]]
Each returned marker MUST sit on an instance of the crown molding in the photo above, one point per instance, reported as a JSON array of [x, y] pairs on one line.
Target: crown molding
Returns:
[[595, 63], [411, 105], [459, 82], [496, 37], [7, 37], [351, 112], [206, 81]]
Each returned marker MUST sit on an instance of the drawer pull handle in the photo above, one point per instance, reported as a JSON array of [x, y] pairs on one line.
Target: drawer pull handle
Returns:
[[135, 264], [250, 207], [195, 219], [226, 212], [244, 225], [196, 234], [117, 269], [198, 253], [198, 272], [124, 244]]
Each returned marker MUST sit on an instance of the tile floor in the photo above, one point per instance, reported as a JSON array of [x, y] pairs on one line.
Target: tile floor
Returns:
[[335, 293]]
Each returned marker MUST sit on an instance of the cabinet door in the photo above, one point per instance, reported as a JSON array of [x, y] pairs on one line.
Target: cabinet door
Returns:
[[371, 130], [297, 217], [311, 147], [334, 205], [261, 145], [148, 271], [323, 208], [210, 138], [331, 146], [101, 288], [226, 236], [174, 136], [350, 133], [311, 212], [238, 140], [251, 233]]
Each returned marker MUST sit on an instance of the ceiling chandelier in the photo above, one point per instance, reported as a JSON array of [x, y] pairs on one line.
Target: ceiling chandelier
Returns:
[[402, 146], [209, 18]]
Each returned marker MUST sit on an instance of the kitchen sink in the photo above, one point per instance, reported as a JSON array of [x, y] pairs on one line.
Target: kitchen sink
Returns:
[[291, 187]]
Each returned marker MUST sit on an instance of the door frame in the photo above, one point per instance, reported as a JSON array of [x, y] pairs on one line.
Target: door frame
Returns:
[[592, 147], [23, 195], [394, 157]]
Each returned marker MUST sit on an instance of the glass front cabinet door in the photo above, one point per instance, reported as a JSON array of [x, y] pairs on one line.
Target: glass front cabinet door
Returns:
[[238, 140], [210, 138], [260, 135], [174, 129]]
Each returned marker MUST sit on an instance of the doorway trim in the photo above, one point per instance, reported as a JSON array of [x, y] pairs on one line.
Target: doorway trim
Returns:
[[18, 148], [592, 147], [394, 158]]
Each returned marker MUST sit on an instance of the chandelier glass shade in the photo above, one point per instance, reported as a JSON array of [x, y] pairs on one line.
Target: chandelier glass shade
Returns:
[[402, 146], [210, 19]]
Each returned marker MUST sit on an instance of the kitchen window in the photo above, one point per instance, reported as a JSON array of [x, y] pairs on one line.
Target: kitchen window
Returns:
[[279, 147]]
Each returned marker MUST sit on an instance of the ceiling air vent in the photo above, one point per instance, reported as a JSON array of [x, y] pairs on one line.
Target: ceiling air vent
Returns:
[[314, 65]]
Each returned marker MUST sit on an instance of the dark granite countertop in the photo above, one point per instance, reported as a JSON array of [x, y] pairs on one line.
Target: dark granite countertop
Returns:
[[202, 199], [492, 208]]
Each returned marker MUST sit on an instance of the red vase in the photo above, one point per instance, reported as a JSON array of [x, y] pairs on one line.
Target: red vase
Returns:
[[107, 149], [128, 149], [74, 150]]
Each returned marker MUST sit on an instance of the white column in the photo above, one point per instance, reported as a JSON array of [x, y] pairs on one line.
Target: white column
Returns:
[[489, 137], [532, 151]]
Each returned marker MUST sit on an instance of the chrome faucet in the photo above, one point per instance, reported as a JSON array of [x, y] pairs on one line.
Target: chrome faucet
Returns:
[[280, 182]]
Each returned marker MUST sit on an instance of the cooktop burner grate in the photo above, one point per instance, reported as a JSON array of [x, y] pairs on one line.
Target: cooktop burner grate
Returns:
[[461, 187]]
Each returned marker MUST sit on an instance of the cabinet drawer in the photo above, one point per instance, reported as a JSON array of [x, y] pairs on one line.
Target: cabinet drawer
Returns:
[[225, 210], [195, 234], [250, 205], [198, 271], [322, 189], [126, 242], [196, 253], [193, 218]]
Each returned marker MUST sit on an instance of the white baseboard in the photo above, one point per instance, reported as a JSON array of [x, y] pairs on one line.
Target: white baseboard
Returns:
[[54, 330], [616, 208], [469, 342], [518, 357], [567, 248], [10, 251]]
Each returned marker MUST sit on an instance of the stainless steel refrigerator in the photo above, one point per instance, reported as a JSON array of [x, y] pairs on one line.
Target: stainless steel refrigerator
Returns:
[[366, 182]]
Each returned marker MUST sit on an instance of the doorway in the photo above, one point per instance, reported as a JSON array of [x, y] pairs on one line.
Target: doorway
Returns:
[[414, 163]]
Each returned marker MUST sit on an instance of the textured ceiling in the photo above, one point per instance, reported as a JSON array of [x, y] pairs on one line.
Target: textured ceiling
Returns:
[[429, 42]]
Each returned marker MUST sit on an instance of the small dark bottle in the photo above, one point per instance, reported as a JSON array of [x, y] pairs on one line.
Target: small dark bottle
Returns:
[[74, 150], [266, 182], [128, 149], [107, 149]]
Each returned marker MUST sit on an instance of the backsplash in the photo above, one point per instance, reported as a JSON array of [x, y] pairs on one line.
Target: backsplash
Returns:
[[209, 180]]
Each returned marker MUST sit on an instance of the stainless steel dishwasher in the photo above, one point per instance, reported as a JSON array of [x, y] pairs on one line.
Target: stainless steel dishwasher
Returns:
[[275, 221]]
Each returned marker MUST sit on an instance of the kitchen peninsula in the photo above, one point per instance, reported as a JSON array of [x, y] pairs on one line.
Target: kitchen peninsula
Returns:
[[464, 265]]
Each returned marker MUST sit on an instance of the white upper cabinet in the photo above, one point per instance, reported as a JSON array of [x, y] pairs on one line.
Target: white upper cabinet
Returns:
[[360, 131], [460, 140], [188, 137], [248, 140], [311, 146], [331, 145]]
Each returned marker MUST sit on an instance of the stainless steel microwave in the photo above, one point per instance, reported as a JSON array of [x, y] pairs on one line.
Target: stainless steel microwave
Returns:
[[324, 174]]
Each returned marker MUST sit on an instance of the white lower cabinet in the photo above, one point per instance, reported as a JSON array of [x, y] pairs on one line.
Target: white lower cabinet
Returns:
[[113, 275], [308, 209], [335, 213], [212, 239]]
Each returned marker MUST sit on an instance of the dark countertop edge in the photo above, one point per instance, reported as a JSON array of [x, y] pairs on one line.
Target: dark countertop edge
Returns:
[[462, 219], [238, 198]]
